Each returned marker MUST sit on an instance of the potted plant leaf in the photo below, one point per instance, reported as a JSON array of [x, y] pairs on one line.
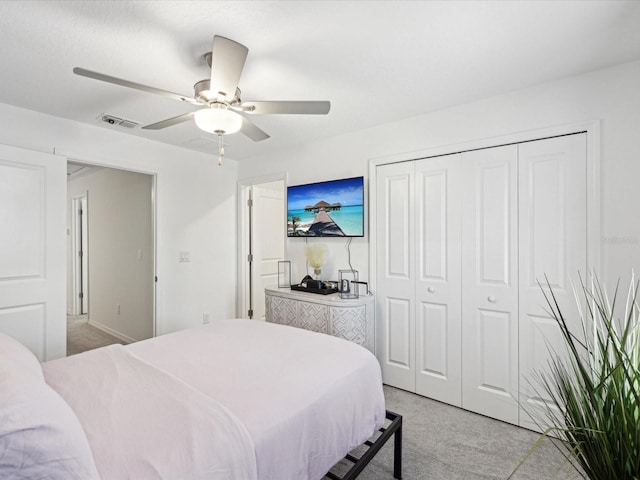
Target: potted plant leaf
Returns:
[[595, 386]]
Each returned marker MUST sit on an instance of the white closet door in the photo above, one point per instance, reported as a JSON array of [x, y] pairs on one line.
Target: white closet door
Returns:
[[395, 277], [438, 361], [490, 283], [553, 233], [32, 250]]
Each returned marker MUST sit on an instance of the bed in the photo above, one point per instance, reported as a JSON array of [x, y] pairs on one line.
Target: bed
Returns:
[[236, 399]]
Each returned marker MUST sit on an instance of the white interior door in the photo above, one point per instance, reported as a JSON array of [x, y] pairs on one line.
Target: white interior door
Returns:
[[267, 240], [78, 252], [553, 231], [33, 250], [84, 266], [490, 282], [395, 277], [438, 282]]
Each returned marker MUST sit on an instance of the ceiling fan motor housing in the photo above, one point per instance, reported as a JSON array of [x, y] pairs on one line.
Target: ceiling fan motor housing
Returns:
[[203, 93]]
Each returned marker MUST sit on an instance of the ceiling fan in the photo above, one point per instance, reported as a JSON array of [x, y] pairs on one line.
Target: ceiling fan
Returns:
[[223, 111]]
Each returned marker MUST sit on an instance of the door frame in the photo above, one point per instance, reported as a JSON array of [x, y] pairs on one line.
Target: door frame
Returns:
[[81, 159], [594, 222], [242, 249]]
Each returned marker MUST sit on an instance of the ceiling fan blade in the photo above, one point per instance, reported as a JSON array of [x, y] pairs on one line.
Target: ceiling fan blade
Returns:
[[169, 122], [252, 131], [287, 107], [138, 86], [227, 62]]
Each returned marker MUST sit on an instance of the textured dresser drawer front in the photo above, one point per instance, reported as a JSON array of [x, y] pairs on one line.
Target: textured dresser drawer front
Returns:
[[282, 310], [312, 316], [350, 323]]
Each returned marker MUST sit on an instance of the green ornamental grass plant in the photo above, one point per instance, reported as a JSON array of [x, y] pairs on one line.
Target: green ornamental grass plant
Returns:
[[596, 385]]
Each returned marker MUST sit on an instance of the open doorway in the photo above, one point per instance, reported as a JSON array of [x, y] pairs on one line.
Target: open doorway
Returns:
[[111, 256], [262, 237]]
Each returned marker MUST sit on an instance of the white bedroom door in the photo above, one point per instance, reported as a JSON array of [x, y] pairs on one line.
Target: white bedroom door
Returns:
[[438, 282], [267, 242], [32, 250], [395, 274], [553, 232], [490, 282]]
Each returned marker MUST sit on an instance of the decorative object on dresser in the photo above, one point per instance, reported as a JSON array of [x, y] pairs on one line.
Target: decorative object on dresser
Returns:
[[317, 257], [308, 284], [349, 285], [351, 319]]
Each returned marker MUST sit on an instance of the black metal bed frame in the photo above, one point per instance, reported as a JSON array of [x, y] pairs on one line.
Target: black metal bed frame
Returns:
[[393, 429]]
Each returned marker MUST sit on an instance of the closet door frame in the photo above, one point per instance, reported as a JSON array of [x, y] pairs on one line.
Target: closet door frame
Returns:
[[591, 128]]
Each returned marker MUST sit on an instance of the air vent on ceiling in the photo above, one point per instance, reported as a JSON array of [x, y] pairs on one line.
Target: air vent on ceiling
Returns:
[[111, 120]]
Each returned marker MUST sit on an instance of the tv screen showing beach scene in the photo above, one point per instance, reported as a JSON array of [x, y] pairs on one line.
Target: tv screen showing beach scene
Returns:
[[326, 209]]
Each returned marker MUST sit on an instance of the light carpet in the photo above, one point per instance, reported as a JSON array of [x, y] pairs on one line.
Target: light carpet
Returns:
[[82, 337], [441, 442]]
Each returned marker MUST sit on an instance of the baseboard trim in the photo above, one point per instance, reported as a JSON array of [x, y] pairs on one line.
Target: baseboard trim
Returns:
[[111, 331]]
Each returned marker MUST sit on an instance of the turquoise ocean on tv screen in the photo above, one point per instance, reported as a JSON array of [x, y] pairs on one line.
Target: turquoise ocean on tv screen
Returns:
[[349, 219]]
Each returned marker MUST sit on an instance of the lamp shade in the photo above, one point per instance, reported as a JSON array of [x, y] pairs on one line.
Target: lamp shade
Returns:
[[218, 120]]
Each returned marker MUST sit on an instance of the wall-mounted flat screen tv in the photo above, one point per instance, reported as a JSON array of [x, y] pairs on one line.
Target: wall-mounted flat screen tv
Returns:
[[326, 209]]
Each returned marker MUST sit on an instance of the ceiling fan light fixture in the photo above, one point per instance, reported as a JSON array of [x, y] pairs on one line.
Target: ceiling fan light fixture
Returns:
[[218, 119]]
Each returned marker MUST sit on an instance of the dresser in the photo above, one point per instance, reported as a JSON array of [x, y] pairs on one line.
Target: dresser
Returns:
[[351, 319]]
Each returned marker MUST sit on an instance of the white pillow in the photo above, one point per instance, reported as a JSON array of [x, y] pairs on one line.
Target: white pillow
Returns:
[[40, 436], [18, 363]]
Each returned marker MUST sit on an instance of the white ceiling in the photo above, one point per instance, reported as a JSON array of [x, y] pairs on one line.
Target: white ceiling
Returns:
[[376, 61]]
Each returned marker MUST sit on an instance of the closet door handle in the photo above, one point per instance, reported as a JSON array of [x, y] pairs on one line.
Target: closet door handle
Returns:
[[431, 290], [492, 299]]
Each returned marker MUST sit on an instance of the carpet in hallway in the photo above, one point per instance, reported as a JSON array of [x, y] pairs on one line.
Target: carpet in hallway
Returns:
[[82, 337]]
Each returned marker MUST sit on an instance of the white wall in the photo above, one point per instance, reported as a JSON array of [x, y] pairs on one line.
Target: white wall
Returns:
[[196, 199], [196, 202], [609, 95], [119, 216]]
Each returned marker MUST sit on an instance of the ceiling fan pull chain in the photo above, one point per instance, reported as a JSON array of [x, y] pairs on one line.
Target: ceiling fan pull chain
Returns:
[[220, 149]]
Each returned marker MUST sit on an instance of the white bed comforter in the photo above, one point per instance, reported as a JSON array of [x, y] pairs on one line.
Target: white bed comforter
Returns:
[[236, 399], [143, 423], [306, 399]]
